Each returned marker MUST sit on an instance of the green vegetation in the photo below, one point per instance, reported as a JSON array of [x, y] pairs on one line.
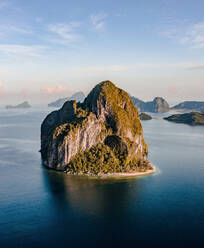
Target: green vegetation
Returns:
[[101, 159], [79, 120], [109, 121], [193, 118], [145, 117], [123, 113]]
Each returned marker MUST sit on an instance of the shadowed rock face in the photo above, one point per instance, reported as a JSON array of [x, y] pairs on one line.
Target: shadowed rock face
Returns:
[[145, 117], [193, 118], [158, 105], [102, 134], [190, 105]]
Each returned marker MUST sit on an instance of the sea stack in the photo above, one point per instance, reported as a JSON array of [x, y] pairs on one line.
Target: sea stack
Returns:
[[158, 105], [99, 136]]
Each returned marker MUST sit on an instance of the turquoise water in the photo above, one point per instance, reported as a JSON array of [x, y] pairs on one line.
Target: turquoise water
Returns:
[[43, 208]]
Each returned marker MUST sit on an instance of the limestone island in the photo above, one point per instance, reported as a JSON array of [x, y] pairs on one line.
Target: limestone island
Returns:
[[158, 105], [102, 136], [190, 106], [193, 118], [23, 105], [145, 117]]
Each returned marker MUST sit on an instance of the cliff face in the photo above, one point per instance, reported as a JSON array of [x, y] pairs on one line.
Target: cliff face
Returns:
[[190, 105], [103, 134], [193, 118], [158, 105], [145, 117]]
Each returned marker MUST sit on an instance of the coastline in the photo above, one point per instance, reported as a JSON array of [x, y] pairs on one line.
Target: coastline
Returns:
[[128, 174], [117, 175]]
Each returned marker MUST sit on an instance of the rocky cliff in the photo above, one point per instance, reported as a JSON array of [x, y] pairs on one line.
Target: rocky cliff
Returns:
[[192, 118], [101, 135], [190, 106], [145, 117], [158, 105]]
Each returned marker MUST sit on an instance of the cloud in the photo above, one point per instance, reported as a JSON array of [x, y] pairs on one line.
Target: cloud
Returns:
[[118, 68], [134, 68], [189, 35], [195, 35], [59, 89], [66, 32], [31, 51], [4, 4], [5, 29], [98, 21], [196, 67]]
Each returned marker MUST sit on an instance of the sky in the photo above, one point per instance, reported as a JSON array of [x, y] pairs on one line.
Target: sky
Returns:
[[51, 49]]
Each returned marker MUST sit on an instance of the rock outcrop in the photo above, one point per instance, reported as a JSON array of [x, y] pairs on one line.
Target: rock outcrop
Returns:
[[158, 105], [145, 117], [19, 106], [190, 106], [193, 118], [101, 135], [78, 96]]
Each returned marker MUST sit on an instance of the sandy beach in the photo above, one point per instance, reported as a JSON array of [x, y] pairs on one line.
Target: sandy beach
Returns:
[[129, 174]]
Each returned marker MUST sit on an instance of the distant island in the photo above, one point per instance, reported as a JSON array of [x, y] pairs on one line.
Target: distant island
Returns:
[[78, 96], [145, 117], [190, 106], [158, 105], [102, 136], [23, 105], [193, 118]]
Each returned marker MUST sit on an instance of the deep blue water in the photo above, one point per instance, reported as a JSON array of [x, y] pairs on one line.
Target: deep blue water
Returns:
[[43, 208]]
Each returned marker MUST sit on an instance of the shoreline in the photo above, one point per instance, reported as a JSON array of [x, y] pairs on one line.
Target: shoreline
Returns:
[[118, 175], [128, 174]]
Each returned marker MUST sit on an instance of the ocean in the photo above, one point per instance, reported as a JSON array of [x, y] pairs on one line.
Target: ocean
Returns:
[[45, 208]]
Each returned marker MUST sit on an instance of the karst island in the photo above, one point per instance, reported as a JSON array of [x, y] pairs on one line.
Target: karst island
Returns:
[[102, 136]]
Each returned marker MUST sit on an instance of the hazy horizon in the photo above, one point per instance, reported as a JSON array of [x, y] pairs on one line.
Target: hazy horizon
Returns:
[[48, 50]]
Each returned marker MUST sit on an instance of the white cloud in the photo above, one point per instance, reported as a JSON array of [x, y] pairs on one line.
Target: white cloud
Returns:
[[65, 32], [59, 89], [4, 4], [98, 21], [195, 35], [190, 35], [118, 68], [31, 51], [5, 29]]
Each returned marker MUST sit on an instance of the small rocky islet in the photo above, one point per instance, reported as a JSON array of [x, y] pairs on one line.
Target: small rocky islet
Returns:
[[145, 117], [192, 118], [103, 135], [23, 105]]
